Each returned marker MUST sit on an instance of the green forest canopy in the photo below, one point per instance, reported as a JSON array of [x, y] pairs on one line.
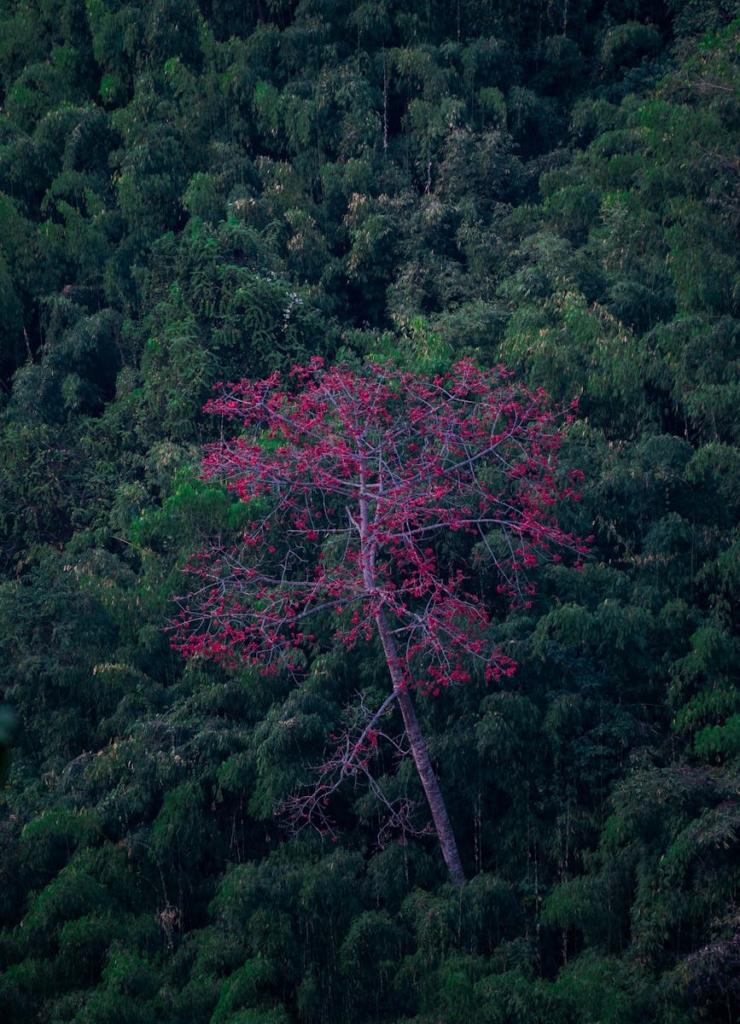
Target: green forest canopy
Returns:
[[192, 193]]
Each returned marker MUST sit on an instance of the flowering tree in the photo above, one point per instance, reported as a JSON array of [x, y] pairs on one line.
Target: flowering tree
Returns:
[[354, 479]]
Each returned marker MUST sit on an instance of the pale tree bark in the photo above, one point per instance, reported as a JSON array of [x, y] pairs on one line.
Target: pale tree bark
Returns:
[[420, 754]]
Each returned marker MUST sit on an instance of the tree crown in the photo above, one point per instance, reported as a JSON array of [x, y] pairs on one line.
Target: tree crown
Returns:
[[358, 480]]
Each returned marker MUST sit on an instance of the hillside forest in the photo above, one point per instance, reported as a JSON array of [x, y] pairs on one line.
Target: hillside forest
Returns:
[[205, 191]]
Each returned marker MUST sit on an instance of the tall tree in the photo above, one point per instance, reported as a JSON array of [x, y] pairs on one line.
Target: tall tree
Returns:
[[358, 482]]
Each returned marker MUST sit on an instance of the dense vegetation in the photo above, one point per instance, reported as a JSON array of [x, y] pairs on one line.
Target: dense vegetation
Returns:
[[200, 192]]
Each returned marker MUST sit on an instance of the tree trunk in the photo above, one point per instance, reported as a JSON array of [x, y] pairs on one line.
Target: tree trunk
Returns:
[[420, 754]]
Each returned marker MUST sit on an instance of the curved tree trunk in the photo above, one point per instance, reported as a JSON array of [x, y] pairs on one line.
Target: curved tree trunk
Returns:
[[420, 754]]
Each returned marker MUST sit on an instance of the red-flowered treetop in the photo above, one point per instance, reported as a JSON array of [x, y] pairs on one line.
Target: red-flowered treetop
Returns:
[[353, 478], [359, 485]]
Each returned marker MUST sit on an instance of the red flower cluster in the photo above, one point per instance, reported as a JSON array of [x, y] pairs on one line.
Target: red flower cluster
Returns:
[[354, 478]]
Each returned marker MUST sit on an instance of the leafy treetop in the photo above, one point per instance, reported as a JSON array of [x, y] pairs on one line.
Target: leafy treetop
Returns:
[[354, 478]]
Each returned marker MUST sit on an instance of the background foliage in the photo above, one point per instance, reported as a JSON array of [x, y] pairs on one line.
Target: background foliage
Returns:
[[197, 191]]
